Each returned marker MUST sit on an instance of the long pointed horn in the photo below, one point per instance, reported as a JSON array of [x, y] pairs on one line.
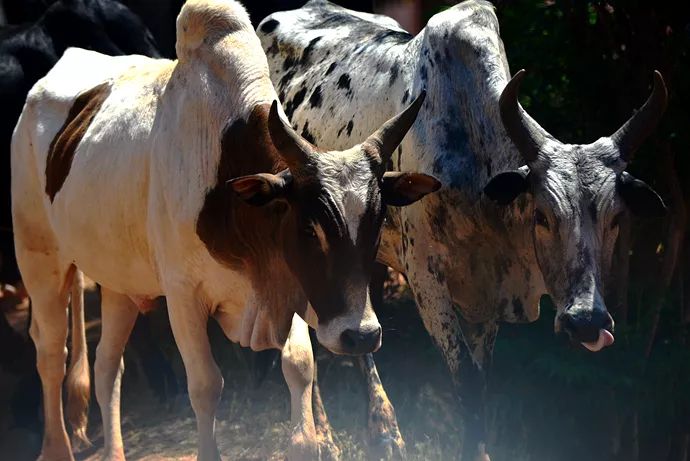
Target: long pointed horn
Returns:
[[525, 133], [391, 133], [292, 147], [630, 136]]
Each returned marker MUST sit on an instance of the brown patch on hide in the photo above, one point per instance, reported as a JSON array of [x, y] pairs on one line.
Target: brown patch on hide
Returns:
[[65, 142], [229, 228], [247, 238]]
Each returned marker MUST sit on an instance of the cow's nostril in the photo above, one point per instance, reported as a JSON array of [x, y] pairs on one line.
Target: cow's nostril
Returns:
[[584, 327], [609, 323], [349, 339], [359, 342]]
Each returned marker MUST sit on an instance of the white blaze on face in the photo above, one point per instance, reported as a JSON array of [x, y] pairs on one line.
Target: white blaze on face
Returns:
[[346, 177], [354, 206]]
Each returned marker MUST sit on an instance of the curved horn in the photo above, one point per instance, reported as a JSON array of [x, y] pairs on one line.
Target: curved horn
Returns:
[[292, 147], [525, 133], [630, 136], [391, 133]]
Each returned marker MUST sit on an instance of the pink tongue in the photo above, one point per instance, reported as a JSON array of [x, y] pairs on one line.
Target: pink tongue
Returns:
[[605, 340]]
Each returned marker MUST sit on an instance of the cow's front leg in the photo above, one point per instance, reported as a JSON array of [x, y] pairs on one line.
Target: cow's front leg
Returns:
[[189, 319], [118, 314], [441, 320], [471, 386], [385, 440], [328, 449], [298, 370]]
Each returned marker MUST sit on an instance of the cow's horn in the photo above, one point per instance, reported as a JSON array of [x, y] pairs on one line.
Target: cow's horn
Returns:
[[525, 133], [630, 136], [391, 133], [291, 146]]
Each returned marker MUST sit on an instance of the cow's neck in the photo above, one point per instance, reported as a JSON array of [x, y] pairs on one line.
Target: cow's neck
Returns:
[[459, 139], [225, 137]]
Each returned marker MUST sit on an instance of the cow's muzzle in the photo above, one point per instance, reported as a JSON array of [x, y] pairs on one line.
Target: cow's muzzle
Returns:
[[592, 328], [357, 342], [351, 335]]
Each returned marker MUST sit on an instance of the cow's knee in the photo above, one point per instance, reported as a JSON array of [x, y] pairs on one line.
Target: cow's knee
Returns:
[[298, 367], [205, 389], [298, 370]]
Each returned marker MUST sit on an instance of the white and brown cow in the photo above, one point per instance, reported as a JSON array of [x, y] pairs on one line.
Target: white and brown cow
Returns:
[[180, 178], [520, 215]]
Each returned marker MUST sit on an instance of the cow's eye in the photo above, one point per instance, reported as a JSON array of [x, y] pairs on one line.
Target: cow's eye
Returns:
[[309, 231], [540, 219]]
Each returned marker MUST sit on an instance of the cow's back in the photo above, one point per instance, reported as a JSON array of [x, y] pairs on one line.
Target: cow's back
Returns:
[[338, 66], [83, 144]]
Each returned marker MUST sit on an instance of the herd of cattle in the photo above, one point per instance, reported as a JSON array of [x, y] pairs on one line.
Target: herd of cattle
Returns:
[[256, 179]]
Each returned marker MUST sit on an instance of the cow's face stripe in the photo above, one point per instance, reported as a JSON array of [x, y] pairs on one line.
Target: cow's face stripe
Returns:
[[65, 142]]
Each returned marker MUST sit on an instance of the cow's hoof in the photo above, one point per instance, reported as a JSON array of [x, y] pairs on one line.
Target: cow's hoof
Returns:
[[52, 456], [302, 448], [387, 448], [114, 456], [482, 455], [329, 451], [80, 441]]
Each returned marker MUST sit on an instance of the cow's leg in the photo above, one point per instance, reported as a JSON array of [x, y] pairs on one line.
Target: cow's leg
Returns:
[[467, 351], [189, 319], [385, 440], [48, 287], [118, 314], [463, 346], [471, 386], [328, 449], [298, 370]]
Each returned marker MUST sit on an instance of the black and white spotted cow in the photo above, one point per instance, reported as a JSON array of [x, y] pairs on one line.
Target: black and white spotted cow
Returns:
[[520, 214]]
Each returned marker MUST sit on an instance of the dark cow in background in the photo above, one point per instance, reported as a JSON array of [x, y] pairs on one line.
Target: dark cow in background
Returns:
[[520, 214]]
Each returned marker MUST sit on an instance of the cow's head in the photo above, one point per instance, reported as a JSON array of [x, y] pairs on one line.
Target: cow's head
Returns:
[[579, 193], [331, 228]]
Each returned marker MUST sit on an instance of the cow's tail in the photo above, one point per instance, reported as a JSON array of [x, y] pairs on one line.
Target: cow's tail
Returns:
[[78, 379]]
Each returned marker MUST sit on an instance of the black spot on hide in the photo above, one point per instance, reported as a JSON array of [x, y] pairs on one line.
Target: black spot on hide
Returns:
[[315, 98], [269, 26]]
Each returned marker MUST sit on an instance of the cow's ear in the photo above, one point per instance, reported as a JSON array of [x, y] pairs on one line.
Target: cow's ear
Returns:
[[401, 189], [260, 189], [507, 186], [641, 199]]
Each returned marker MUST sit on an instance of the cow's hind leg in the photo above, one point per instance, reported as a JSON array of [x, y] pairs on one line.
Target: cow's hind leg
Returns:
[[118, 314], [48, 286], [189, 319], [385, 440], [298, 370]]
